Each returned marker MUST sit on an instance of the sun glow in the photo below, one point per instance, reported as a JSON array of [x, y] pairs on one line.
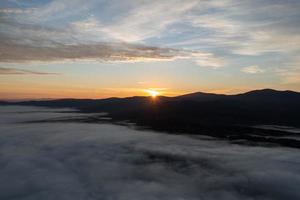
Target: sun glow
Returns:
[[153, 93]]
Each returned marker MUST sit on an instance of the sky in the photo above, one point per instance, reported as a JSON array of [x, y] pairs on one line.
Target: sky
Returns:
[[105, 48]]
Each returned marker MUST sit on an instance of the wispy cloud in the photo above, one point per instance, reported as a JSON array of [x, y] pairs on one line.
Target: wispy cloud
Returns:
[[149, 20], [248, 28], [112, 52], [290, 74], [16, 71], [208, 60], [210, 32], [16, 11], [58, 9], [83, 40], [254, 69]]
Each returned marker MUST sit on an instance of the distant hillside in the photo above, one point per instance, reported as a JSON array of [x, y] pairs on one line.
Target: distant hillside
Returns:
[[232, 117], [201, 96], [270, 95], [194, 110]]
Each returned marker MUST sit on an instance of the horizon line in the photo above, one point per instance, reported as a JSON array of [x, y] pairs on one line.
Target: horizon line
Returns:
[[112, 97]]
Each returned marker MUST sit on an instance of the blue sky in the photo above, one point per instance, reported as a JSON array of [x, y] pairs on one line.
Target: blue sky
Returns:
[[100, 48]]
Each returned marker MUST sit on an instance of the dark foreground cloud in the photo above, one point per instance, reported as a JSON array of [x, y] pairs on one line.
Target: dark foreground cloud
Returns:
[[103, 161], [16, 71], [110, 52], [11, 52]]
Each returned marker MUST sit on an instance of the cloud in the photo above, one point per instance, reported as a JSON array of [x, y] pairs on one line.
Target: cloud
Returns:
[[290, 74], [226, 28], [15, 71], [149, 20], [16, 11], [102, 52], [108, 52], [144, 21], [254, 69], [134, 25], [244, 28], [83, 41], [215, 22], [105, 161], [56, 10], [208, 60], [262, 42]]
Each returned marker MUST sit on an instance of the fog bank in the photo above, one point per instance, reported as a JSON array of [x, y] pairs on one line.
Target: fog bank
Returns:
[[104, 161]]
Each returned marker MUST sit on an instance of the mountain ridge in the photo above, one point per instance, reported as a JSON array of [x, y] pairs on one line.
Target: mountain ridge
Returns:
[[188, 96], [231, 117]]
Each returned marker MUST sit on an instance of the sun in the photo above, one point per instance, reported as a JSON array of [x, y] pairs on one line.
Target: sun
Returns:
[[153, 93]]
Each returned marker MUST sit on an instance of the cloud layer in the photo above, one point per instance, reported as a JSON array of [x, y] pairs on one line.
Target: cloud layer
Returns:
[[104, 161], [215, 33], [110, 52], [254, 69], [16, 71], [29, 36]]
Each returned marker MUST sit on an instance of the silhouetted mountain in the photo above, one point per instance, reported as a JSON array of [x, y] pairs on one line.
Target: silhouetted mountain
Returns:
[[269, 95], [226, 116], [59, 103], [201, 96], [256, 106], [4, 103]]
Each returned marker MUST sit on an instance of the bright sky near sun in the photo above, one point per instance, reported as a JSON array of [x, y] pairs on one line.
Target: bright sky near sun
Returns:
[[104, 48]]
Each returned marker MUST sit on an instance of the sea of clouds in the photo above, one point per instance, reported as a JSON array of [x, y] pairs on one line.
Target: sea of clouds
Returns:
[[73, 160]]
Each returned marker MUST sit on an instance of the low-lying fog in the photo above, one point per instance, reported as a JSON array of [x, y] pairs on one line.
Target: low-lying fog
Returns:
[[74, 160]]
